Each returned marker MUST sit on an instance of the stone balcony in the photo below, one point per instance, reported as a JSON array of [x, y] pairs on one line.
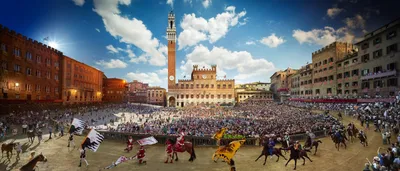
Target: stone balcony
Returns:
[[379, 75]]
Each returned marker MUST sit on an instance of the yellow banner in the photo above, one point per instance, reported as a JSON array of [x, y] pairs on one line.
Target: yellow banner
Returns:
[[218, 135], [228, 151]]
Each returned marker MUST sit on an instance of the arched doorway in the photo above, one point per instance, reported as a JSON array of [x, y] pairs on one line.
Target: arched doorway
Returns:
[[171, 101]]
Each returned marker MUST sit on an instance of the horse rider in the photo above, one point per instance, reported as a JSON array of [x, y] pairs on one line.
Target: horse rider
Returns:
[[181, 139], [312, 136], [338, 135], [287, 138], [141, 154], [83, 157], [362, 134], [271, 145], [169, 151]]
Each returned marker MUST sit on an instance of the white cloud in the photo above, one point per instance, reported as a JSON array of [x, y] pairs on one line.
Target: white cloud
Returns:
[[163, 71], [111, 49], [197, 29], [328, 34], [332, 12], [355, 22], [247, 67], [113, 63], [98, 30], [152, 78], [206, 3], [170, 2], [131, 31], [142, 58], [250, 43], [79, 2], [272, 41], [316, 36]]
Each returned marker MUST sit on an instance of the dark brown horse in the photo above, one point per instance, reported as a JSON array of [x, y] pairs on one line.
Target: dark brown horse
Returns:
[[363, 139], [313, 144], [352, 133], [8, 148], [31, 135], [31, 165], [338, 141], [297, 154], [187, 147], [276, 151]]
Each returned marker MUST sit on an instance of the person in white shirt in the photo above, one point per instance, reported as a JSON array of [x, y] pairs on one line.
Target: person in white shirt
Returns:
[[18, 148]]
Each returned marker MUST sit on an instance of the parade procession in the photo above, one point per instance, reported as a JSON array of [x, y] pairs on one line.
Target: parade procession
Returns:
[[199, 85]]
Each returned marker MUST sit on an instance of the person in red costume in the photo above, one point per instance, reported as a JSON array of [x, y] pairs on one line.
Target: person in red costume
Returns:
[[181, 139], [129, 144], [169, 151], [141, 155]]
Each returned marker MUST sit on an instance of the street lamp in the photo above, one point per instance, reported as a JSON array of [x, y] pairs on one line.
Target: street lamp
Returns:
[[16, 84]]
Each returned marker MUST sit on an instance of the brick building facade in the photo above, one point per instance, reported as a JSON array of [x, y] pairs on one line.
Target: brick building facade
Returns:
[[30, 70], [156, 96], [137, 92], [325, 68], [115, 90], [81, 83]]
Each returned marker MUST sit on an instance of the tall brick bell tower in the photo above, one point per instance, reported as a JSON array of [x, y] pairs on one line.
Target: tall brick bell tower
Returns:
[[171, 36]]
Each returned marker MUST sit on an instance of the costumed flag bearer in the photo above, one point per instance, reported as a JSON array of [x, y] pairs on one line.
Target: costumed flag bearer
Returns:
[[83, 157], [129, 144], [141, 154]]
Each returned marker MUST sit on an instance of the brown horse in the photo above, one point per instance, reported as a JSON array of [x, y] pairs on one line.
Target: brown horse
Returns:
[[363, 139], [276, 151], [31, 135], [297, 154], [187, 147], [313, 144], [8, 148], [31, 165], [352, 133], [338, 141]]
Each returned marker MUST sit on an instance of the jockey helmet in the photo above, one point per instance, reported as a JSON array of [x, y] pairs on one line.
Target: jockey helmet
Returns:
[[297, 142]]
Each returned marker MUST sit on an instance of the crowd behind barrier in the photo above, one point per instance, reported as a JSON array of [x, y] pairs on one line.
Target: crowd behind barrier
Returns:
[[201, 141]]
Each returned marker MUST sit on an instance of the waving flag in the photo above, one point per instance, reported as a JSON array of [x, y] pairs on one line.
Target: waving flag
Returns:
[[119, 160], [228, 151], [93, 140], [218, 135], [77, 126], [147, 141]]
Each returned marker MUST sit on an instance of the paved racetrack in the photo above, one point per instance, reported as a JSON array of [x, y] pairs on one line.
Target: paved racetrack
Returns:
[[327, 158]]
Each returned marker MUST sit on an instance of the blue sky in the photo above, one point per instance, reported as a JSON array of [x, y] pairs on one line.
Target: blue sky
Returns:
[[248, 40]]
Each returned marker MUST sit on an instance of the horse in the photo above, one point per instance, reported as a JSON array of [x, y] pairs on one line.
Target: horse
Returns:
[[187, 147], [285, 145], [338, 141], [31, 135], [276, 151], [363, 140], [313, 144], [31, 165], [297, 154], [352, 133], [8, 148]]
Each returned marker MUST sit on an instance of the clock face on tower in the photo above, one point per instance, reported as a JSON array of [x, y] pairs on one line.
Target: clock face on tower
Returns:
[[171, 78], [204, 76]]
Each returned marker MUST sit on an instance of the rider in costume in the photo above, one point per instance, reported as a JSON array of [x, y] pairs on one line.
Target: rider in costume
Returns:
[[181, 139], [287, 138], [271, 145]]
